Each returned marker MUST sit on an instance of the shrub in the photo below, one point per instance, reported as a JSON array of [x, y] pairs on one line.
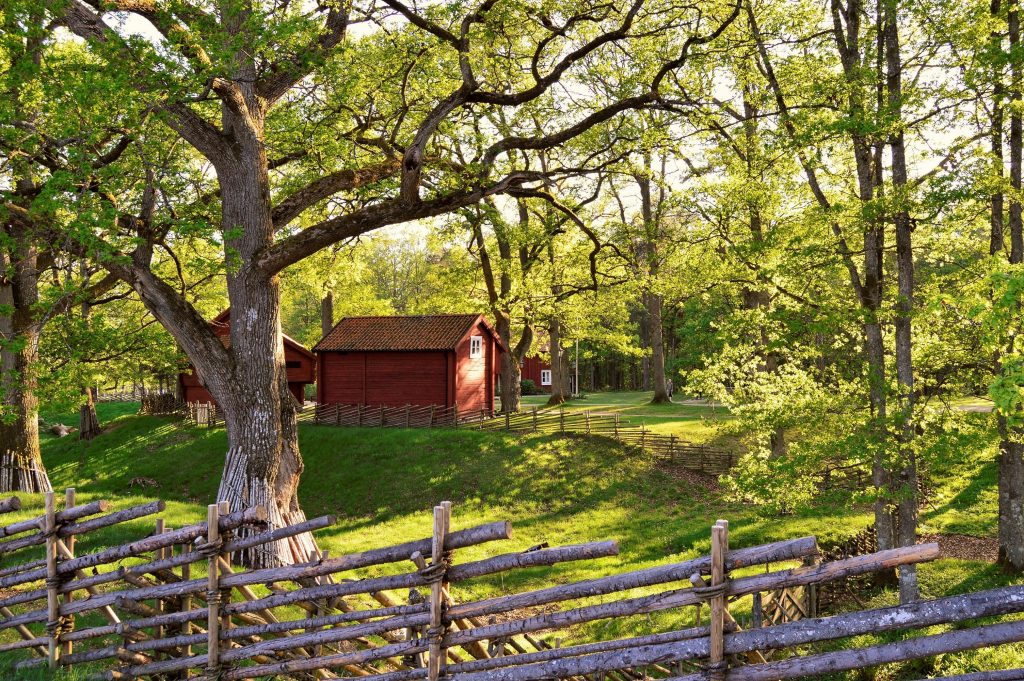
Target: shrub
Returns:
[[528, 387]]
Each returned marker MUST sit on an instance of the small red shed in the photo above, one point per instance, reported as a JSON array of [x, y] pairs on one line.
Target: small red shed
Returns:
[[444, 359], [299, 362], [537, 370]]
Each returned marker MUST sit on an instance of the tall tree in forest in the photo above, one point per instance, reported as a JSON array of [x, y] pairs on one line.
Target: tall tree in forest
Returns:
[[508, 291], [900, 211], [47, 149], [866, 43], [861, 108], [643, 203], [234, 83], [999, 61]]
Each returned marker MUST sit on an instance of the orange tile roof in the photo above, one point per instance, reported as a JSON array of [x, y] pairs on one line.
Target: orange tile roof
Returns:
[[421, 332]]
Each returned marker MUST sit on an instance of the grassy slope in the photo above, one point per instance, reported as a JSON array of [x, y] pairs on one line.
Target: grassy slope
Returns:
[[381, 484], [692, 422]]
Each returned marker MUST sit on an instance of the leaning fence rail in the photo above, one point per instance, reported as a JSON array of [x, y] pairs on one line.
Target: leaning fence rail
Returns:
[[175, 602]]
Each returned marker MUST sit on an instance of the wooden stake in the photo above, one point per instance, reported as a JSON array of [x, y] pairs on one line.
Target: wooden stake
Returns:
[[212, 587], [52, 605], [224, 563], [442, 515], [69, 502], [719, 547]]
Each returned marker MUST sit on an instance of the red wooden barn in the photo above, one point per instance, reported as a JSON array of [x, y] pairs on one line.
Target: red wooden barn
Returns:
[[299, 362], [444, 359]]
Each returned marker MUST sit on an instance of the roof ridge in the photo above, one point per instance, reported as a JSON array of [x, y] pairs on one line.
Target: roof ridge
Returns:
[[400, 332]]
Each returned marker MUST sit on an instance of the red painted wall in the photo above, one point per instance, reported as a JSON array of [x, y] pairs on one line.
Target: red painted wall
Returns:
[[390, 378], [531, 369], [473, 380]]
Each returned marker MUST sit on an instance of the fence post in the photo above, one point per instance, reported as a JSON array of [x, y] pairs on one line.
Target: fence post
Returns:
[[359, 415], [561, 419], [69, 544], [52, 583], [442, 521], [672, 448], [186, 605], [382, 416], [431, 424], [811, 590], [408, 419], [224, 562], [455, 415], [719, 547], [159, 528], [508, 425], [213, 591], [616, 426], [535, 418], [756, 612], [587, 414]]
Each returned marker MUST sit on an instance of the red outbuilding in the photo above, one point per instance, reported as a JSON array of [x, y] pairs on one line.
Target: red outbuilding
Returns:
[[448, 359], [299, 362], [538, 370]]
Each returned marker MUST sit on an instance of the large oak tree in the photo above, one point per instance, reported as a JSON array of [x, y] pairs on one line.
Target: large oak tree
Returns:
[[384, 90]]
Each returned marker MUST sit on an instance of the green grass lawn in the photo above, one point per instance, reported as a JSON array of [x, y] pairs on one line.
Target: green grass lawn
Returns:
[[381, 484], [694, 422]]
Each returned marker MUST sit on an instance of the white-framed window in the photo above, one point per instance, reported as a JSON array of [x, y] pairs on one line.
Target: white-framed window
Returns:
[[545, 376], [476, 347]]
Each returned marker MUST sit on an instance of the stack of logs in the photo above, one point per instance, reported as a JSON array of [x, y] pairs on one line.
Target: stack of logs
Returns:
[[174, 603]]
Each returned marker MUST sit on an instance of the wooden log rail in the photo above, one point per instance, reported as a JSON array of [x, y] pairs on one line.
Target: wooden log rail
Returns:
[[669, 600], [228, 623]]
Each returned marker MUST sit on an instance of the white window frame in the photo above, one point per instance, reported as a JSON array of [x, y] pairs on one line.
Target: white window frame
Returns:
[[476, 347], [545, 376]]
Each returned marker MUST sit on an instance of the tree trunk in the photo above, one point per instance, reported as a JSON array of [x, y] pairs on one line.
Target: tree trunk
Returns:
[[907, 505], [510, 369], [559, 374], [1011, 449], [327, 313], [88, 420], [263, 464], [657, 336], [21, 463], [759, 298], [1011, 503]]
